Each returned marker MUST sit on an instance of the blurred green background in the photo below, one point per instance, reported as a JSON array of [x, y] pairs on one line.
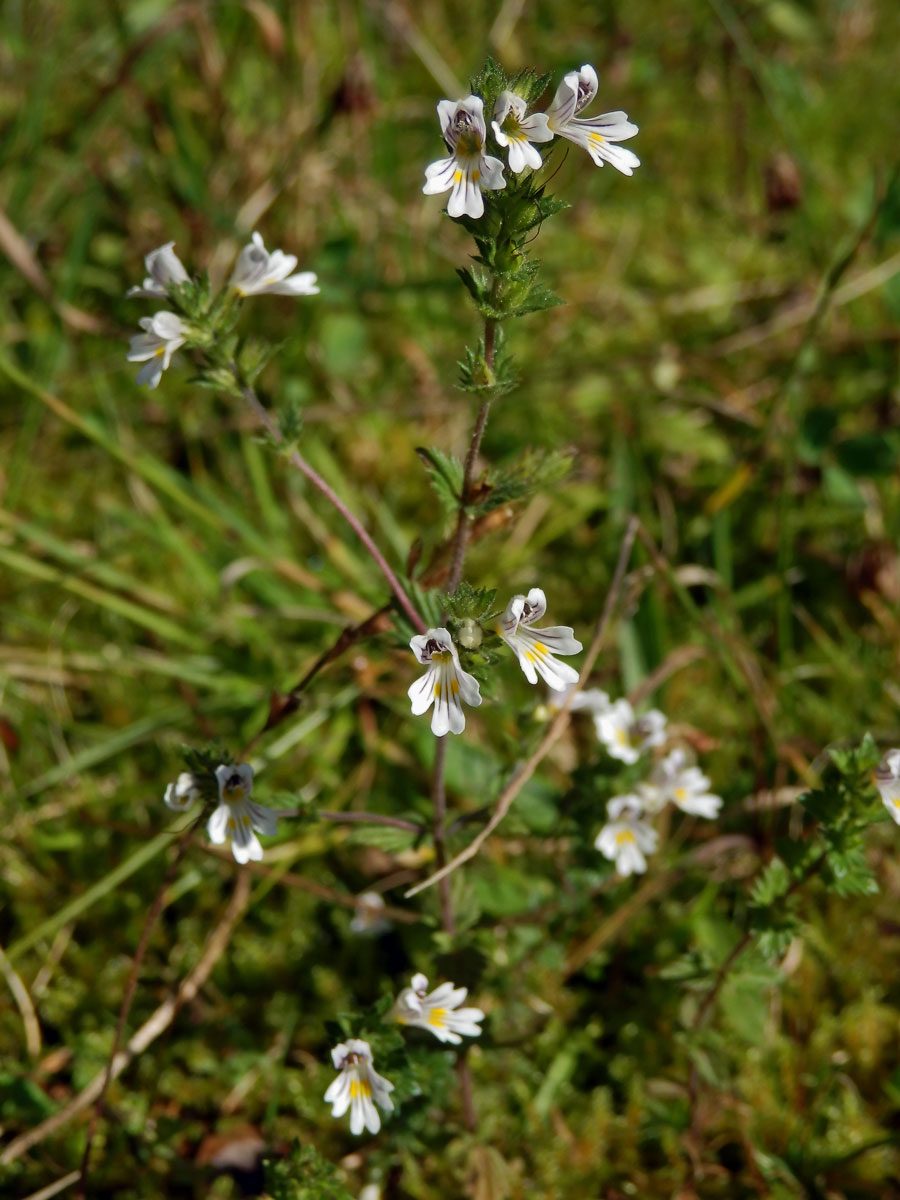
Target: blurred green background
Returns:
[[725, 366]]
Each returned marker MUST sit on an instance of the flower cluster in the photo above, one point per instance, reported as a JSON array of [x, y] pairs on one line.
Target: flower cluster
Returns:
[[359, 1087], [445, 684], [468, 169], [628, 837], [237, 818], [257, 271]]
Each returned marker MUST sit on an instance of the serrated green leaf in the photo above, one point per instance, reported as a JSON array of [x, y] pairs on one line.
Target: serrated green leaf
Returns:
[[304, 1175]]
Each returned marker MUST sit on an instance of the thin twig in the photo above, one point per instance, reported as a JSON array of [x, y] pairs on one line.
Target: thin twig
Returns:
[[333, 498], [557, 725], [54, 1188], [439, 805], [156, 1024], [24, 1005], [285, 705], [365, 818], [461, 533], [302, 884]]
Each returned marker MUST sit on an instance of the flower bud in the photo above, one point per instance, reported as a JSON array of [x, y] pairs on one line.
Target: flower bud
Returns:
[[470, 634]]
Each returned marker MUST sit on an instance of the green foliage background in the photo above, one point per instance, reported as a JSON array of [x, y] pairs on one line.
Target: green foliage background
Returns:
[[162, 574]]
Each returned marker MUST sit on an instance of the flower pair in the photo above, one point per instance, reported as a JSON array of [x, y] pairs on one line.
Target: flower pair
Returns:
[[627, 837], [256, 272], [359, 1087], [445, 684], [237, 818], [468, 170]]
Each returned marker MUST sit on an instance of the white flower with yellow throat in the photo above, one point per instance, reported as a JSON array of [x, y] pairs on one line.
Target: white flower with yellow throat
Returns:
[[467, 169], [439, 1011], [238, 818], [626, 839], [445, 684], [536, 648], [358, 1087]]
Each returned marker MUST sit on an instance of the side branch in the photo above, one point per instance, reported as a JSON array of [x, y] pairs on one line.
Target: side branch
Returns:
[[328, 492], [557, 725]]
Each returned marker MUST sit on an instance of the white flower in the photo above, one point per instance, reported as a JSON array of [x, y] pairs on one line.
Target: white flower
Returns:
[[513, 129], [237, 816], [597, 135], [467, 169], [164, 268], [358, 1087], [444, 684], [181, 794], [886, 778], [369, 919], [625, 838], [164, 333], [257, 271], [625, 735], [439, 1012], [686, 787], [535, 648]]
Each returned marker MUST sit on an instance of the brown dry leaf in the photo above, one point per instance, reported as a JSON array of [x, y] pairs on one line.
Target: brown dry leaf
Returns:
[[489, 1174]]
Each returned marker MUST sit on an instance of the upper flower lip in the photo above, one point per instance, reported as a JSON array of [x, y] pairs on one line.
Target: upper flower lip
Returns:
[[164, 267], [457, 116]]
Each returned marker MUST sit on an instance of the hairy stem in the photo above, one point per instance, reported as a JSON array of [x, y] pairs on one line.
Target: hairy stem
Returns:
[[739, 948], [328, 492], [557, 725]]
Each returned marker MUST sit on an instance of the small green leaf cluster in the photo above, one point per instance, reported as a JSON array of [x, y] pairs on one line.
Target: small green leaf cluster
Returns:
[[492, 80], [533, 471], [445, 473], [303, 1175], [842, 807]]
